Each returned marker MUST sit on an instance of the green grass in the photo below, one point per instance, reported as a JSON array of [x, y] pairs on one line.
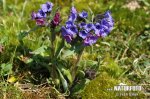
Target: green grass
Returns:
[[125, 53]]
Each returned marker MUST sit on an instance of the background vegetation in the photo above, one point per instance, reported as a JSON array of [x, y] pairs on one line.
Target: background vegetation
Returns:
[[122, 57]]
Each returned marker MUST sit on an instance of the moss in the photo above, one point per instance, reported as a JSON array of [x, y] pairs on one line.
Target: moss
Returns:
[[98, 89]]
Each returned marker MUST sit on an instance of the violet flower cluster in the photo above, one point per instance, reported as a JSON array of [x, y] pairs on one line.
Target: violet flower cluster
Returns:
[[41, 16], [87, 32]]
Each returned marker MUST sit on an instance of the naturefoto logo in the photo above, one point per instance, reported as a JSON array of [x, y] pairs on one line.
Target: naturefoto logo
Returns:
[[125, 87], [126, 90]]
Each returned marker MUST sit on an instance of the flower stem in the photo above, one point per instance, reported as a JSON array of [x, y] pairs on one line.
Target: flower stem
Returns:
[[52, 54], [75, 67]]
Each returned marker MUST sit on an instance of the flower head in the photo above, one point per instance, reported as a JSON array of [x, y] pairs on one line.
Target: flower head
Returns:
[[105, 26], [83, 34], [47, 7], [56, 19], [73, 14], [82, 25], [91, 39], [69, 24], [89, 27], [41, 14], [33, 15], [73, 10], [88, 33], [83, 14], [40, 22], [67, 34]]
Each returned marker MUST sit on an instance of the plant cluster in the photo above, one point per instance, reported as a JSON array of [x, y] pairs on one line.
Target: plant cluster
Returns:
[[79, 30]]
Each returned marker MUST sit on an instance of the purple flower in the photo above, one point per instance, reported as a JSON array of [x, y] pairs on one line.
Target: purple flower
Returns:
[[47, 7], [72, 17], [97, 28], [72, 31], [66, 34], [82, 25], [83, 14], [88, 32], [105, 26], [103, 34], [40, 22], [41, 14], [100, 30], [69, 24], [55, 22], [108, 23], [33, 15], [89, 27], [73, 10], [83, 34], [73, 14], [68, 38], [90, 40], [69, 33], [107, 14]]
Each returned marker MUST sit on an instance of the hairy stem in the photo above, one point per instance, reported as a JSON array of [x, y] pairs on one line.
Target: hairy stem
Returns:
[[75, 67], [53, 68]]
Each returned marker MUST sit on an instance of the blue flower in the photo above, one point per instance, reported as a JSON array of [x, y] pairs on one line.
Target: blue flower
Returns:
[[67, 36], [82, 25], [41, 14], [107, 14], [73, 10], [83, 34], [73, 14], [69, 24], [89, 27], [97, 28], [72, 17], [83, 14], [69, 33], [101, 30], [33, 15], [74, 29], [90, 40], [70, 30], [105, 26], [88, 32], [109, 23], [47, 7], [108, 20]]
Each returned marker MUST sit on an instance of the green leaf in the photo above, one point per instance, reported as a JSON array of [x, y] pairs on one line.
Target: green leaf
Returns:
[[88, 62], [64, 82], [40, 50], [68, 53], [67, 73], [81, 74], [106, 43], [78, 88], [3, 40], [22, 34], [6, 69]]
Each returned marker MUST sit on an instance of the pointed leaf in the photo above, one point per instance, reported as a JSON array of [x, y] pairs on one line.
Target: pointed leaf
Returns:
[[40, 50], [64, 82]]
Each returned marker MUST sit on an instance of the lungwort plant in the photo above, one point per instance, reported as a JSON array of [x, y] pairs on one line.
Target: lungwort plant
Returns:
[[80, 30]]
